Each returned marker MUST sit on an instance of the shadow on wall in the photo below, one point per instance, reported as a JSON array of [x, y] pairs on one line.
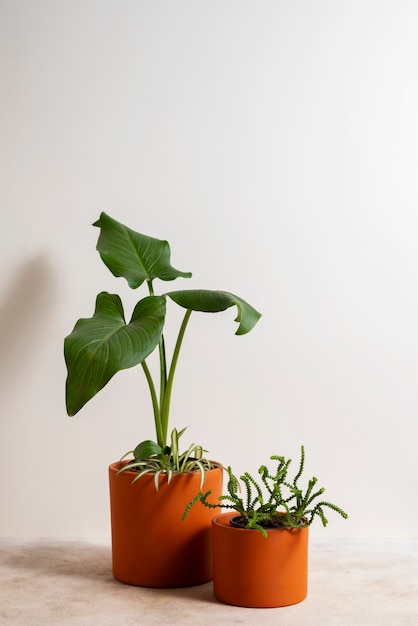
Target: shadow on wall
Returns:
[[24, 314]]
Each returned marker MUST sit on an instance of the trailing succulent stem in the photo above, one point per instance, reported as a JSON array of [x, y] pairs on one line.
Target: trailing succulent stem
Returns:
[[276, 502]]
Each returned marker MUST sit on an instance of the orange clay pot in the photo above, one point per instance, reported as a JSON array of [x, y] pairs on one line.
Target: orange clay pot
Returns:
[[254, 571], [151, 545]]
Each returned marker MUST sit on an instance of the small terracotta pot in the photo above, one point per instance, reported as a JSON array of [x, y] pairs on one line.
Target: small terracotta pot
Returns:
[[151, 545], [254, 571]]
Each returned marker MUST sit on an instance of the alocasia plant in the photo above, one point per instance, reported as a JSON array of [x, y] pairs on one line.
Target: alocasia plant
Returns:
[[102, 345]]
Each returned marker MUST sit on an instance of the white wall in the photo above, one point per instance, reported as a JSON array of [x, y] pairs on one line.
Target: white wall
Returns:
[[275, 145]]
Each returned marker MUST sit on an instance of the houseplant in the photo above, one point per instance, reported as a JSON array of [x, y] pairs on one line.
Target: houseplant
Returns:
[[104, 344], [260, 550]]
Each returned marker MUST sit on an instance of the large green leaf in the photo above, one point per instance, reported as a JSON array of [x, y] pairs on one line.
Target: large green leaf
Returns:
[[136, 257], [104, 344], [215, 301]]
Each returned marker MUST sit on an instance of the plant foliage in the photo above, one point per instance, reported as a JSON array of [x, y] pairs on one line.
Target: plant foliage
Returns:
[[274, 501], [149, 457], [104, 344]]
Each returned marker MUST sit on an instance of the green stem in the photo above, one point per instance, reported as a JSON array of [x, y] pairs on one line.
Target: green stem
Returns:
[[163, 358], [156, 408], [163, 368], [161, 434], [165, 407]]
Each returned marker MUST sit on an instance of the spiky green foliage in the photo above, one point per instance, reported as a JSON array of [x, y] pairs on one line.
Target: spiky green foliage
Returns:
[[149, 457], [274, 501]]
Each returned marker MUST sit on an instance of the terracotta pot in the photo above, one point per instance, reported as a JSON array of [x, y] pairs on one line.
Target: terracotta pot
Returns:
[[254, 571], [151, 545]]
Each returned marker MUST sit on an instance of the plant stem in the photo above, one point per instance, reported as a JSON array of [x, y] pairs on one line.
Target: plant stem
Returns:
[[165, 407], [161, 434], [163, 364], [156, 408], [163, 369]]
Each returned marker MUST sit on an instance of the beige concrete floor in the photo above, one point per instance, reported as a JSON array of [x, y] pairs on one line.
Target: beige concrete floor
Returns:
[[50, 582]]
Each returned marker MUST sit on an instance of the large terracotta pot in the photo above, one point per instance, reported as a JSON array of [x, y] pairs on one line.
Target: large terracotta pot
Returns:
[[254, 571], [151, 545]]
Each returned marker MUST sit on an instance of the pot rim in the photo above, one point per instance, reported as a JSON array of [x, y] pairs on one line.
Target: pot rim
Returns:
[[116, 466], [223, 520]]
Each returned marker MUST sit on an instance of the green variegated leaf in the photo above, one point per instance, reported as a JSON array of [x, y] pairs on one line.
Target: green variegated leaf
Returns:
[[214, 301], [134, 256], [143, 472], [157, 480], [104, 344]]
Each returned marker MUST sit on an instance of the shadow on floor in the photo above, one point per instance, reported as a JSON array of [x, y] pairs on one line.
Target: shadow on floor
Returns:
[[81, 560], [58, 558]]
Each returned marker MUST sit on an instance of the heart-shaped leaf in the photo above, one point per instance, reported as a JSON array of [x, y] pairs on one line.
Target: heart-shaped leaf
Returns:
[[215, 301], [146, 449], [134, 256], [104, 344]]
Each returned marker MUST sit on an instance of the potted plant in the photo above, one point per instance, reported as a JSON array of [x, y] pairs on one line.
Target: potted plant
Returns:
[[150, 544], [260, 550]]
